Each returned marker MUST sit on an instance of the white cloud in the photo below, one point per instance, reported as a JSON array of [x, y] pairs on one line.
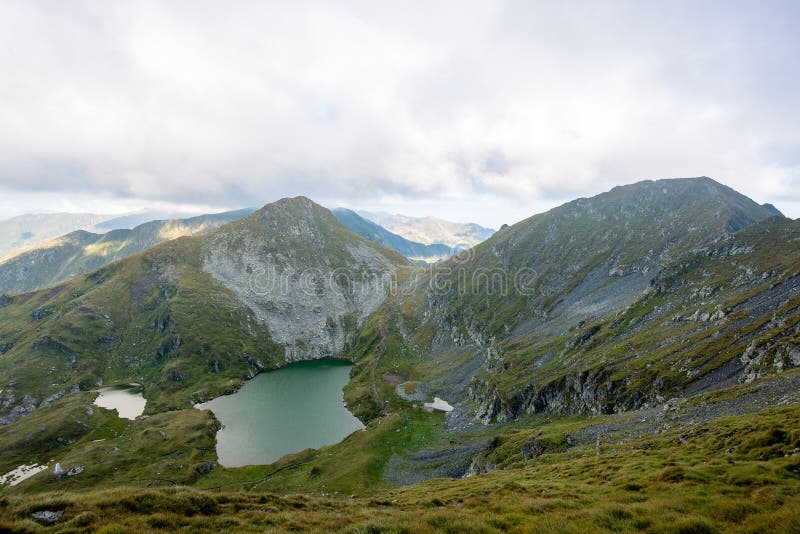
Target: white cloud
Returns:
[[499, 107]]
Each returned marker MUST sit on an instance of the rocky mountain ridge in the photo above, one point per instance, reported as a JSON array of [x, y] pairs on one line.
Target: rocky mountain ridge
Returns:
[[43, 263], [547, 314], [310, 280]]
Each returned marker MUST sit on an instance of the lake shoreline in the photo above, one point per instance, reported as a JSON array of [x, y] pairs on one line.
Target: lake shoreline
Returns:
[[283, 411]]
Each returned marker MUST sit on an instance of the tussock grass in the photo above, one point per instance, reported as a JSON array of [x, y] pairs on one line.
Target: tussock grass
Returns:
[[655, 484]]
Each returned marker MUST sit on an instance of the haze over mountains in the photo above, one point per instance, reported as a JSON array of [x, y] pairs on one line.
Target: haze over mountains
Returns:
[[413, 250], [624, 306], [26, 231], [430, 230], [80, 252]]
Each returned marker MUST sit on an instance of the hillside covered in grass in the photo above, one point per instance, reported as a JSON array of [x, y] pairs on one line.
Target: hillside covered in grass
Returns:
[[620, 363], [732, 474], [194, 317]]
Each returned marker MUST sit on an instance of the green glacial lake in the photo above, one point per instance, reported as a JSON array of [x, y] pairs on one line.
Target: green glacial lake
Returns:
[[297, 407]]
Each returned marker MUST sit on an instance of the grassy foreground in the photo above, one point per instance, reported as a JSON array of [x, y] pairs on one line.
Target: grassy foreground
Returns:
[[736, 474]]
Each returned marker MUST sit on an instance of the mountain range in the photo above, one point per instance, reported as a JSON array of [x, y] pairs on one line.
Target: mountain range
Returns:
[[415, 251], [651, 321], [39, 264], [80, 252], [430, 230], [24, 232]]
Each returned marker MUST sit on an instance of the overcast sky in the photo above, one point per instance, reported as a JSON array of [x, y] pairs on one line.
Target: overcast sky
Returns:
[[475, 111]]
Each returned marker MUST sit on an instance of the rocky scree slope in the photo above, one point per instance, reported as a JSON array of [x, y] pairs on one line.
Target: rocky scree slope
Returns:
[[80, 252], [556, 313], [193, 317]]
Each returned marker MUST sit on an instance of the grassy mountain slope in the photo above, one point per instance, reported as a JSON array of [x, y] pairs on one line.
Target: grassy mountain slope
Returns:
[[638, 378], [732, 474], [377, 233], [592, 256], [193, 317], [727, 312], [26, 231], [500, 327], [80, 252], [136, 319]]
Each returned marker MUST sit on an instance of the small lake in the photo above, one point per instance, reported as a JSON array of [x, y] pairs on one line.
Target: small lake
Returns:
[[297, 407], [126, 399]]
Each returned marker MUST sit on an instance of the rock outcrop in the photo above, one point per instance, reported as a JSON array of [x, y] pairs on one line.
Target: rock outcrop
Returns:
[[304, 276]]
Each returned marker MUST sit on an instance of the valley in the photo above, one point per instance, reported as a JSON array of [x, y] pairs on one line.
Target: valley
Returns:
[[615, 364], [399, 268]]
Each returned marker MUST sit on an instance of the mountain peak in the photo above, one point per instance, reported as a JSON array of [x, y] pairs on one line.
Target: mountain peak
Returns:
[[296, 204], [287, 213], [701, 203]]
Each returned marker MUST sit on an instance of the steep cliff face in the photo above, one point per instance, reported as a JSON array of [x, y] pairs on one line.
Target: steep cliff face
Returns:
[[305, 277]]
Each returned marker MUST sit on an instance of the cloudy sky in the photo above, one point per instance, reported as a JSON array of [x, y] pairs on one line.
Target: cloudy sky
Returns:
[[475, 111]]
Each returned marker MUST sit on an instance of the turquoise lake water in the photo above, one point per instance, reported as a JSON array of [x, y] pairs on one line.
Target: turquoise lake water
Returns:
[[279, 412]]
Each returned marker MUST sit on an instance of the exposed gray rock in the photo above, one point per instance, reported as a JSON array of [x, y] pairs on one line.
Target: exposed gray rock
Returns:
[[769, 359], [75, 471], [59, 395], [454, 461], [311, 306], [47, 517], [418, 395], [175, 375], [38, 315], [479, 466], [531, 449], [11, 409]]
